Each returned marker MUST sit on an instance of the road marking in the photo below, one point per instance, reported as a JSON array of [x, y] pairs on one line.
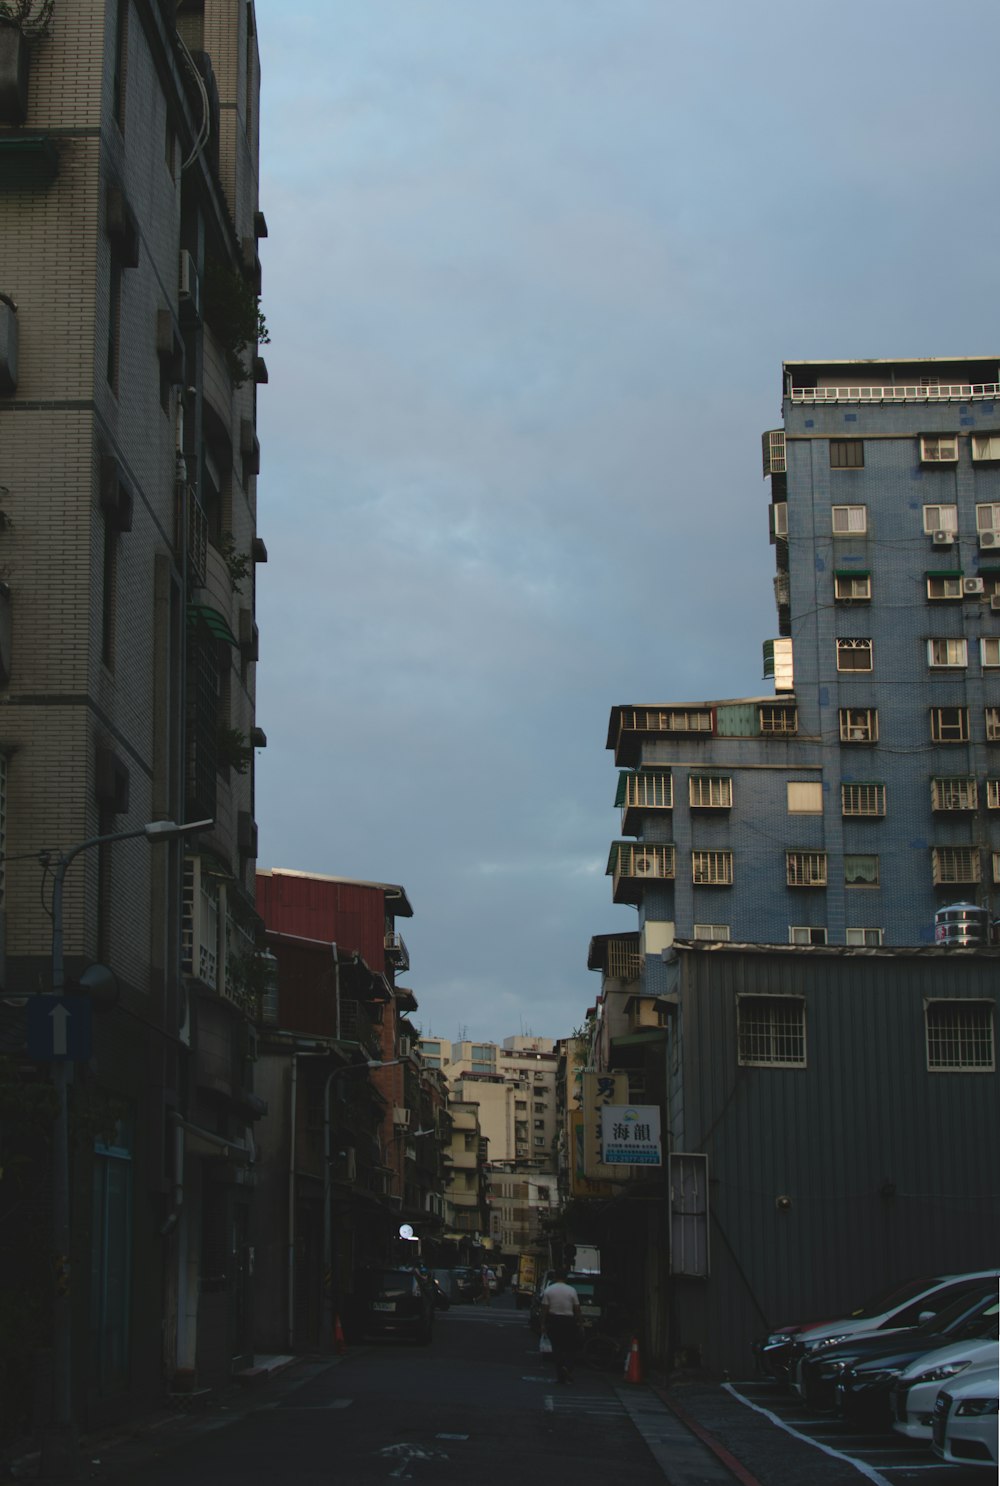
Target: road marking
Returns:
[[873, 1475], [407, 1454], [451, 1436]]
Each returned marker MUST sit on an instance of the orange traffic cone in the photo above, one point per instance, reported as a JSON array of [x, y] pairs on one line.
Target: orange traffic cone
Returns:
[[339, 1344], [633, 1363]]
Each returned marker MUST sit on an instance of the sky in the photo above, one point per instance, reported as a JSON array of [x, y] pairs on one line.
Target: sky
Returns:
[[532, 270]]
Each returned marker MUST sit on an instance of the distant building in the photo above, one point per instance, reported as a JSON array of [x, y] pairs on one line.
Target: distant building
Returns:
[[865, 793]]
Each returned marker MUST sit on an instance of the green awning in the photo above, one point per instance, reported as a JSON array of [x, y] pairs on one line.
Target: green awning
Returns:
[[943, 573], [213, 621]]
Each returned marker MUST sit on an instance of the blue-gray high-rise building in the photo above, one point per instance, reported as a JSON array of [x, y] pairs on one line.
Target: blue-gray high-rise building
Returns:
[[865, 793]]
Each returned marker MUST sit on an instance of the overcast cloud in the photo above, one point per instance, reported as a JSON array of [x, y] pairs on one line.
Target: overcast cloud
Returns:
[[532, 270]]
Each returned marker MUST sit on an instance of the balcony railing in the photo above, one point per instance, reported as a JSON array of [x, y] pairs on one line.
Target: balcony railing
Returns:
[[357, 1026], [624, 961], [396, 952], [913, 392], [633, 864]]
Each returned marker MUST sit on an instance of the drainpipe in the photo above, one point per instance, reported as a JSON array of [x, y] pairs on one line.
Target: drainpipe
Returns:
[[292, 1101], [336, 987]]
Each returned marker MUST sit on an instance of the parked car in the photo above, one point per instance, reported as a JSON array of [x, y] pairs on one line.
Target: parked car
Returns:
[[395, 1301], [964, 1431], [855, 1375], [914, 1393], [913, 1303]]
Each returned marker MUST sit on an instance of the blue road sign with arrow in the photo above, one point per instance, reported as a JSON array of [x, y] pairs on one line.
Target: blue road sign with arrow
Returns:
[[59, 1027]]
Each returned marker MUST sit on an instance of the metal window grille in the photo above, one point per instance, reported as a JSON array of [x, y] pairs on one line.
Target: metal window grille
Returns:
[[624, 960], [862, 799], [200, 923], [712, 868], [772, 1031], [804, 934], [941, 518], [710, 791], [649, 792], [806, 868], [858, 725], [960, 1035], [847, 454], [854, 655], [864, 938], [954, 794], [779, 719], [849, 520], [632, 859], [955, 864], [993, 794], [951, 724], [774, 452]]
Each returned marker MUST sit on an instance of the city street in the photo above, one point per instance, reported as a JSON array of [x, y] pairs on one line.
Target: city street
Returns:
[[480, 1404]]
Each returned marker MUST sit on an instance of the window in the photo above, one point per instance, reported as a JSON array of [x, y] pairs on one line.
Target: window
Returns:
[[779, 519], [852, 587], [959, 1036], [864, 938], [993, 794], [858, 725], [939, 448], [805, 798], [989, 652], [114, 320], [778, 719], [539, 1139], [109, 594], [988, 516], [951, 864], [941, 518], [996, 866], [805, 868], [862, 799], [861, 871], [944, 653], [954, 794], [712, 868], [985, 447], [849, 521], [539, 1124], [771, 1031], [854, 655], [120, 64], [802, 934], [944, 586], [950, 724], [847, 454], [718, 933], [992, 717], [710, 792]]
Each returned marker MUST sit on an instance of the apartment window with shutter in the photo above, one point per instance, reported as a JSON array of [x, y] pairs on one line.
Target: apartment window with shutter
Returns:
[[771, 1031], [717, 933], [778, 719], [939, 448], [949, 724], [712, 868], [951, 654], [992, 719], [805, 797], [852, 588], [988, 516], [862, 799], [803, 934], [941, 518], [863, 938], [854, 655], [847, 454], [959, 1036], [993, 794], [943, 587], [989, 651], [805, 868], [849, 521], [861, 870], [859, 725], [985, 447]]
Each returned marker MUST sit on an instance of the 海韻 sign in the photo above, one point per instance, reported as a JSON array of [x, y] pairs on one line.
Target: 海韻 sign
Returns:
[[630, 1135]]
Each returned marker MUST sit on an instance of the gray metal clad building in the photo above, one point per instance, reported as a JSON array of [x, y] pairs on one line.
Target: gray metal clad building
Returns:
[[847, 1103]]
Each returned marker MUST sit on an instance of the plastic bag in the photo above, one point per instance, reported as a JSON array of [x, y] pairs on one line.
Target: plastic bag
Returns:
[[544, 1345]]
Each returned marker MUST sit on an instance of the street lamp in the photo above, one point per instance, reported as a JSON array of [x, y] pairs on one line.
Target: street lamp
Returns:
[[60, 1452], [326, 1329]]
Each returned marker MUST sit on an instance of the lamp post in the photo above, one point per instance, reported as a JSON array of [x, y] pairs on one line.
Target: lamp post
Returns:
[[326, 1327], [60, 1450]]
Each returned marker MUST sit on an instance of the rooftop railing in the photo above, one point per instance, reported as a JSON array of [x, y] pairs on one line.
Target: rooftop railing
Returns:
[[911, 392]]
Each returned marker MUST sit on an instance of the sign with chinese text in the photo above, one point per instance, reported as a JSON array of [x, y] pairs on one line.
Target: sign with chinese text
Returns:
[[630, 1135], [599, 1090], [582, 1185]]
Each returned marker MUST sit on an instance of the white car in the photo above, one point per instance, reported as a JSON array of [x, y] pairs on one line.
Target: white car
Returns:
[[917, 1387], [965, 1419], [912, 1304]]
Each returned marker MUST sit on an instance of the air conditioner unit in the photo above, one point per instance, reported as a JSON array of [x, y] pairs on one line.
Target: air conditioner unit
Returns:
[[972, 585], [644, 864], [858, 735], [404, 1047], [188, 286], [989, 539], [401, 1117], [943, 538]]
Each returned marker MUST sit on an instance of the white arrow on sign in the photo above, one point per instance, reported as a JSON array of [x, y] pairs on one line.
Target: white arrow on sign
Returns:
[[59, 1016]]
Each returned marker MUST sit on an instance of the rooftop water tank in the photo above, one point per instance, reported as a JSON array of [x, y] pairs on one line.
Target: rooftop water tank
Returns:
[[961, 926]]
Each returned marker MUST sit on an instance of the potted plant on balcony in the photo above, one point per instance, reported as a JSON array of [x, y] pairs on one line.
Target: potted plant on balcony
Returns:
[[233, 750], [233, 314], [21, 22]]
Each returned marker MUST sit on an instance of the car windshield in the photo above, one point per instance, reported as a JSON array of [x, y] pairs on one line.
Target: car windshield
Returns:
[[389, 1283], [968, 1307], [887, 1300], [982, 1325]]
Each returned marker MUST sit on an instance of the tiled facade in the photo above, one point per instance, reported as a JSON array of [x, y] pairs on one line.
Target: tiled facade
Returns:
[[855, 801]]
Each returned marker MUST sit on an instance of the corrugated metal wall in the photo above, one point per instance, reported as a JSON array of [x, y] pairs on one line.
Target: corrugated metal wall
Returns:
[[890, 1170], [351, 914]]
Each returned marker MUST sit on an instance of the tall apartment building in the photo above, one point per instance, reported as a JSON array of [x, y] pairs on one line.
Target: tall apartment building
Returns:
[[128, 460], [864, 793]]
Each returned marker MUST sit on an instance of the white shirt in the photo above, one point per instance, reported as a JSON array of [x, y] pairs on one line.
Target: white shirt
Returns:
[[559, 1299]]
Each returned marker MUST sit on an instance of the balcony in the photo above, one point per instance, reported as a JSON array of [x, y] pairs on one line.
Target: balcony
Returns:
[[774, 452], [396, 952], [630, 726], [357, 1025], [632, 865], [624, 960], [638, 793]]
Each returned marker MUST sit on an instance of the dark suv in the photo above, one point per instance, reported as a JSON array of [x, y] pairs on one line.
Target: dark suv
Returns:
[[395, 1301]]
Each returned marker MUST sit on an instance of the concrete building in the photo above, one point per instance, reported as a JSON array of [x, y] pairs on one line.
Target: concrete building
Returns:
[[128, 460], [865, 792]]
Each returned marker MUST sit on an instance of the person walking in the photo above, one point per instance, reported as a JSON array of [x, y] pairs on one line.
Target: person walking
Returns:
[[485, 1274], [561, 1324]]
